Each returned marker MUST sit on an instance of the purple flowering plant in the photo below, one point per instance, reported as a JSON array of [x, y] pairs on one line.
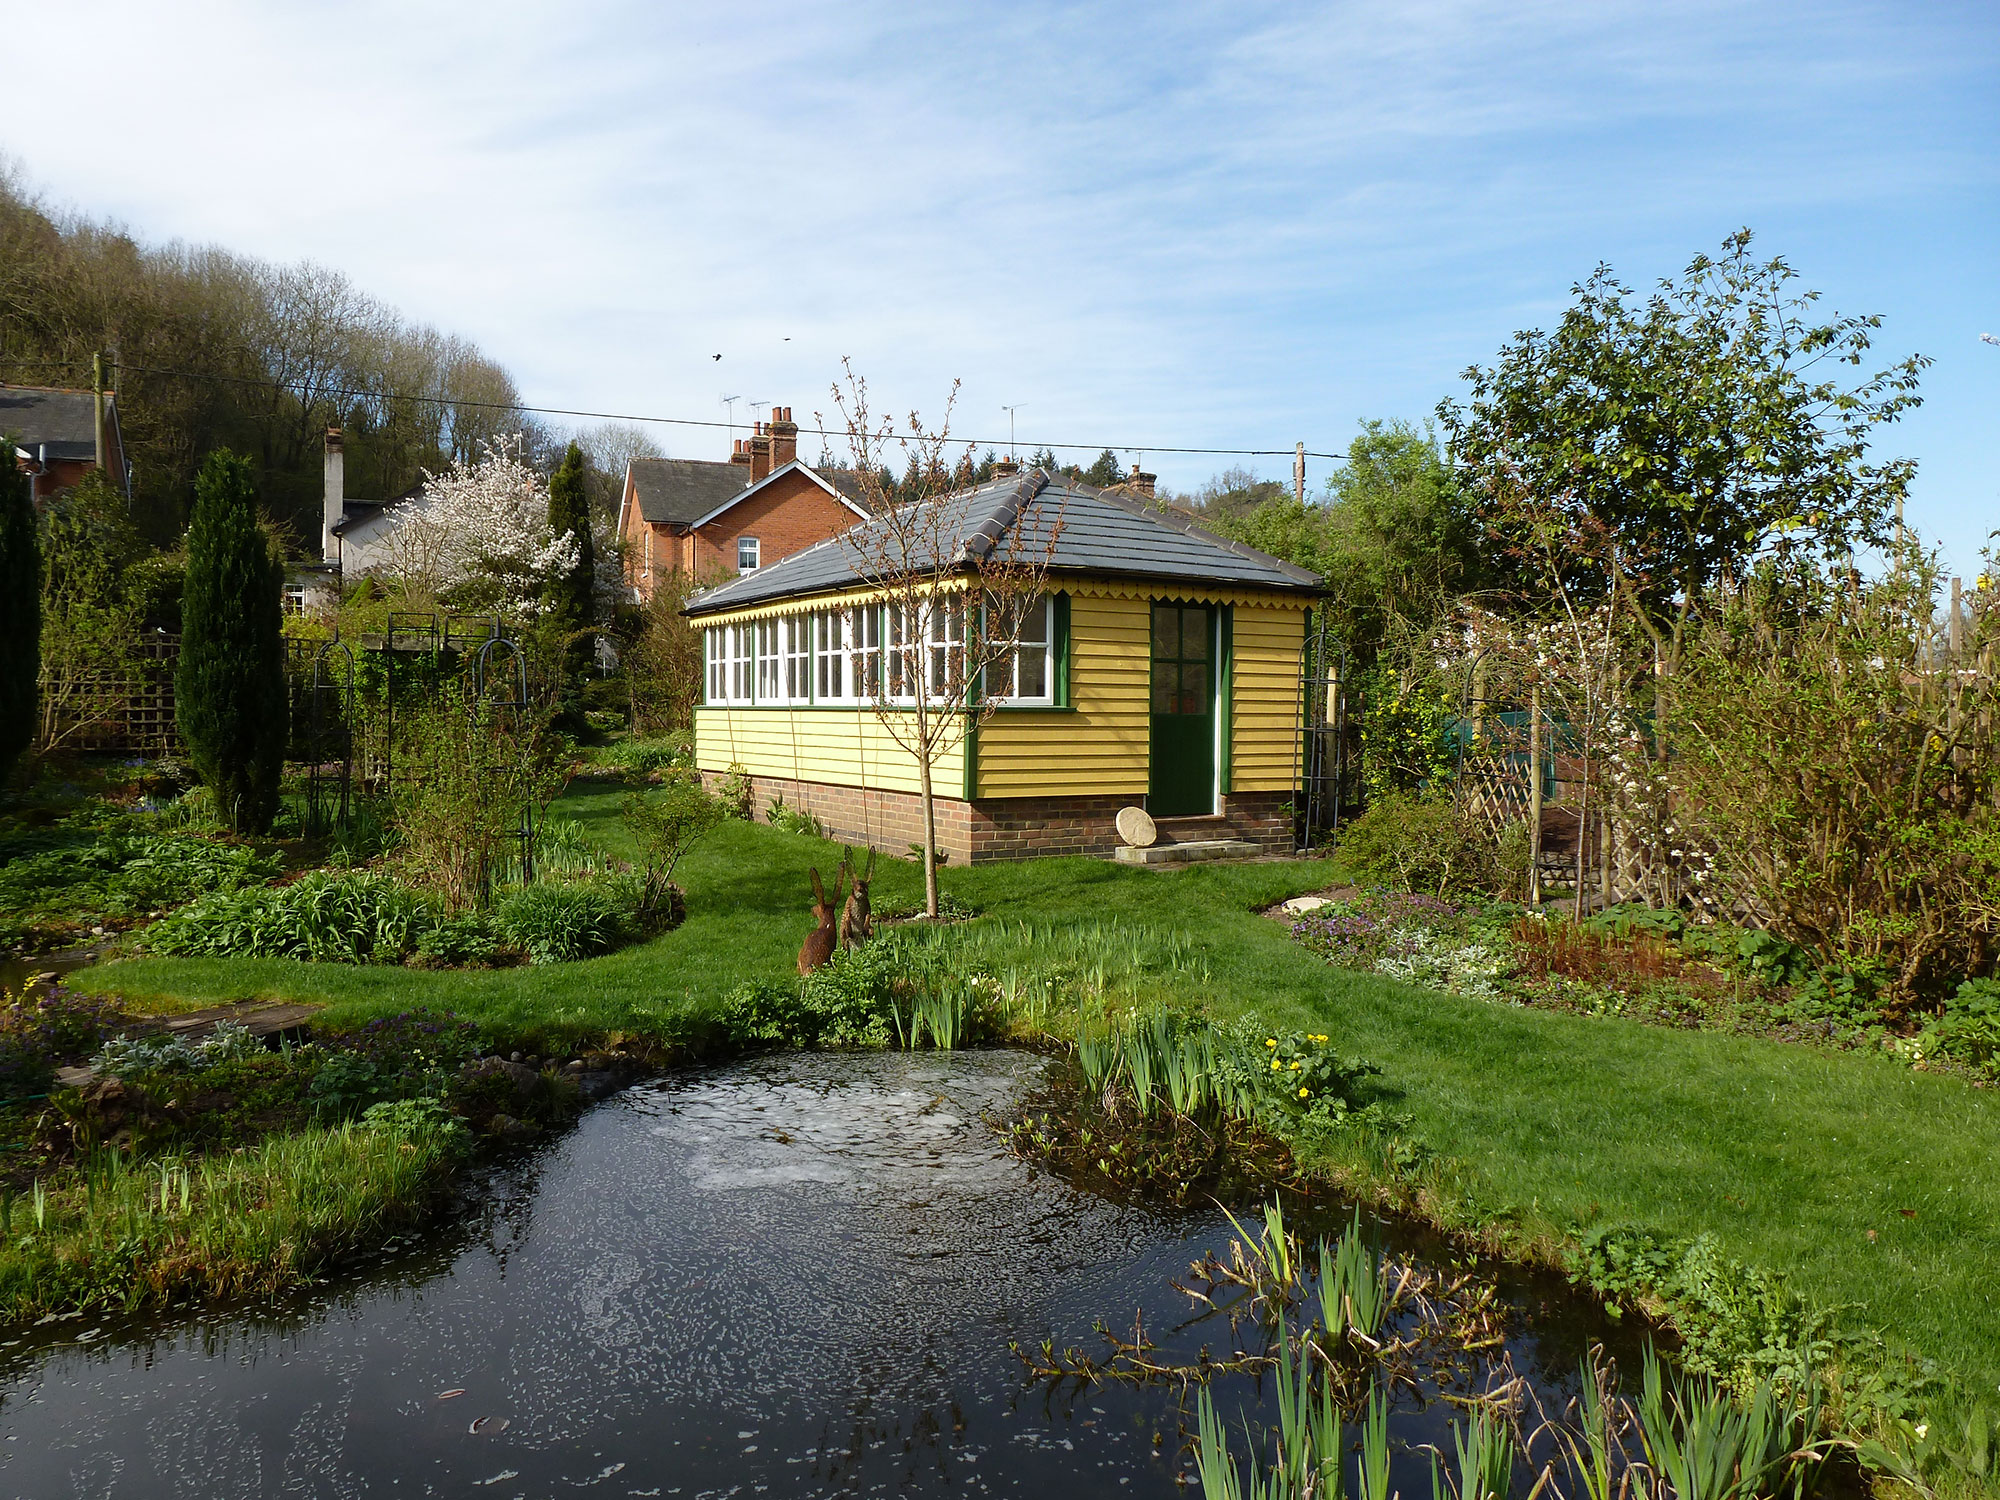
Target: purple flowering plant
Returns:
[[1374, 925]]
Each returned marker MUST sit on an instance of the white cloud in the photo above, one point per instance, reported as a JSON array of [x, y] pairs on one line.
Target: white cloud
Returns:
[[1188, 225]]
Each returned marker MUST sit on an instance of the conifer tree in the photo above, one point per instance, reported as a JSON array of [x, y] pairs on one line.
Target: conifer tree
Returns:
[[20, 613], [570, 590], [230, 691], [1104, 469]]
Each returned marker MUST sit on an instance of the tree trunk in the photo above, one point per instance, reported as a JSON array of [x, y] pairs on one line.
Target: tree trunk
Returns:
[[930, 839]]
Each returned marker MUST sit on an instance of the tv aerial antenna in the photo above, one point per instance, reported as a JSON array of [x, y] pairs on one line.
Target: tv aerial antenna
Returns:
[[730, 402], [1010, 410]]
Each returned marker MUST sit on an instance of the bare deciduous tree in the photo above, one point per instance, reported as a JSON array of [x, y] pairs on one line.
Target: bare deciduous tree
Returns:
[[959, 573]]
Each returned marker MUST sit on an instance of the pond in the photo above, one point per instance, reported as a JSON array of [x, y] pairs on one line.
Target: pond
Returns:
[[791, 1275]]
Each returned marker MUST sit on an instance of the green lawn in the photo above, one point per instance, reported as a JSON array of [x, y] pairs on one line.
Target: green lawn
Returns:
[[1790, 1156]]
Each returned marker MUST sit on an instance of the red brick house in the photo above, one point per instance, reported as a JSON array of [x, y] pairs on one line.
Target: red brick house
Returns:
[[57, 436], [711, 520]]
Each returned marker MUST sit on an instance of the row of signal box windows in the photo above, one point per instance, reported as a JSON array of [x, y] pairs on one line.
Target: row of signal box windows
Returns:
[[839, 657]]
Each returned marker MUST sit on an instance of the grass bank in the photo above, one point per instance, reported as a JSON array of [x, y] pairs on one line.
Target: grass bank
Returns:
[[1876, 1190], [123, 1236]]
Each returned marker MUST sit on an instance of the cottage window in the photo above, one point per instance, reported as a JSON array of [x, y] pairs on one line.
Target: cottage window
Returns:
[[1020, 631], [798, 658], [864, 659], [904, 655], [711, 640], [768, 662], [946, 633], [850, 654], [746, 554], [830, 657], [742, 657]]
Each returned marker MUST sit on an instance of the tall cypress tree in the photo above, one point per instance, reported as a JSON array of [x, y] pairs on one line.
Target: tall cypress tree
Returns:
[[20, 612], [570, 593], [230, 686]]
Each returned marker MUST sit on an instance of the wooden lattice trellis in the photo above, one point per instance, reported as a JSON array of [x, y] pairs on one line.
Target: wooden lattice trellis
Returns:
[[134, 708]]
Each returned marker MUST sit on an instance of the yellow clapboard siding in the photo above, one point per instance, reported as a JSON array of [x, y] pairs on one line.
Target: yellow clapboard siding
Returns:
[[843, 747], [1263, 721], [1098, 747], [1102, 746]]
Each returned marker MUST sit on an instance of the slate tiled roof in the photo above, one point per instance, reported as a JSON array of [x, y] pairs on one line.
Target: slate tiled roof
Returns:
[[680, 491], [65, 420], [1103, 532]]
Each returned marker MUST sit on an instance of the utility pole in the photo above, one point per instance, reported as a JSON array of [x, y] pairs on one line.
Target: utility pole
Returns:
[[1299, 473], [97, 395], [1010, 410]]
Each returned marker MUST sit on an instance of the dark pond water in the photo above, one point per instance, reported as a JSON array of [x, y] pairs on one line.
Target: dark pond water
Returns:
[[791, 1276]]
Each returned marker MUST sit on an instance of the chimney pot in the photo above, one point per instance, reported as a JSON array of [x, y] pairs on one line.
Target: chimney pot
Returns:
[[1006, 468], [333, 500], [784, 437]]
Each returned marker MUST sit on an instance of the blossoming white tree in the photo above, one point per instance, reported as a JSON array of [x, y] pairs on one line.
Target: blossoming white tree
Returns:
[[479, 535]]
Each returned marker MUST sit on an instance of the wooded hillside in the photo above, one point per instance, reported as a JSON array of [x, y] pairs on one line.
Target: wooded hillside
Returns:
[[215, 348]]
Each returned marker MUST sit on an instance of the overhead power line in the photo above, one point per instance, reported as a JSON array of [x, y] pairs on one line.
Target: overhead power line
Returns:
[[305, 388]]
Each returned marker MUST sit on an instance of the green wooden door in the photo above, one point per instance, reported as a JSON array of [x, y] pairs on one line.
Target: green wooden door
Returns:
[[1183, 747]]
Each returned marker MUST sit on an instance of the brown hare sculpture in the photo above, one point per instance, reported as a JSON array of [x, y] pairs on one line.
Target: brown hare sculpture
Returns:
[[819, 943], [856, 926]]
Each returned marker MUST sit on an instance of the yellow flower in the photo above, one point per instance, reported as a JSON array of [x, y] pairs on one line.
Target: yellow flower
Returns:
[[1305, 1093], [1270, 1041], [1296, 1065], [1275, 1065]]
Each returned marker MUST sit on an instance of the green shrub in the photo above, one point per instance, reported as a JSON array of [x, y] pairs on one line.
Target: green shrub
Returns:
[[346, 1084], [1969, 1030], [461, 942], [795, 820], [123, 875], [1420, 843], [20, 617], [39, 1032], [229, 685], [556, 924], [645, 757], [845, 1003], [413, 1118], [1738, 1323], [345, 916], [737, 793]]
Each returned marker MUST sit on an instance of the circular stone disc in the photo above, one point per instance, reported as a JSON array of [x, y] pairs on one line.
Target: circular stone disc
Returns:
[[1136, 828]]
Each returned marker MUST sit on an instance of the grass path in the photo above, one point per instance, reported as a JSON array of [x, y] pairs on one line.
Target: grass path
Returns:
[[1875, 1188]]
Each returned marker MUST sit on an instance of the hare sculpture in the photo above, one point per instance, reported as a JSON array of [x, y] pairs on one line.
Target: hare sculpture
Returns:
[[819, 944], [856, 926]]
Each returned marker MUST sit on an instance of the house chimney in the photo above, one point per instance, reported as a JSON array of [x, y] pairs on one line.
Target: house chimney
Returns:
[[784, 437], [334, 503], [1006, 468], [740, 454], [1142, 481], [760, 452]]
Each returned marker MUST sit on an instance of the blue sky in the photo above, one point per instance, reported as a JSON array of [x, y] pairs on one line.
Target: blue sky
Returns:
[[1227, 226]]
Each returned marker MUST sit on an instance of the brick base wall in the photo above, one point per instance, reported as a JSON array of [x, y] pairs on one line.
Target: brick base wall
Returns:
[[1002, 827]]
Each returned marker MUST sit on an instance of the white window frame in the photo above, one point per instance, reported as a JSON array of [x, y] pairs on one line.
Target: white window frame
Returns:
[[847, 654], [756, 554], [1042, 608], [798, 673], [893, 651], [770, 687], [944, 646], [829, 638]]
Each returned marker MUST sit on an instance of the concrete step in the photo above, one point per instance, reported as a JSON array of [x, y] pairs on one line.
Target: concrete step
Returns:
[[1188, 853]]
